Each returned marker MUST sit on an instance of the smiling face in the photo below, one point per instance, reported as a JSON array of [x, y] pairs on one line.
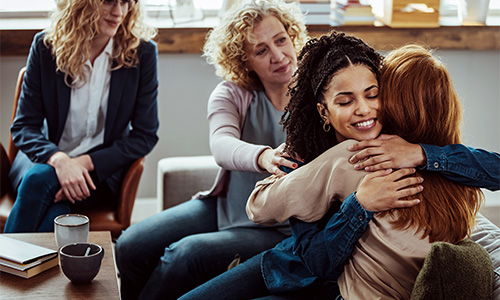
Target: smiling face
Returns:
[[273, 56], [112, 17], [351, 104]]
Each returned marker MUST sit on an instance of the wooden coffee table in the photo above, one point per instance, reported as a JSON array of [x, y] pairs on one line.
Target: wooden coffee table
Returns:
[[52, 284]]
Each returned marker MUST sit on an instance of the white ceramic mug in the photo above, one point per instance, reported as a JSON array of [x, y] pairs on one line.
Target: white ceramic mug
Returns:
[[71, 228], [473, 10]]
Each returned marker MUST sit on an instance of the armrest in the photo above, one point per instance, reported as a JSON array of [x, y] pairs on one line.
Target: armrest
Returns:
[[128, 191], [179, 178]]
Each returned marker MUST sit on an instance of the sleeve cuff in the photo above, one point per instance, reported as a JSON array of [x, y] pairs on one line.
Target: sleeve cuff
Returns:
[[352, 207], [436, 158]]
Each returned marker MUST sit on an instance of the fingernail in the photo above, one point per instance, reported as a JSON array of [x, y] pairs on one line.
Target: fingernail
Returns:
[[294, 165], [356, 167], [350, 147]]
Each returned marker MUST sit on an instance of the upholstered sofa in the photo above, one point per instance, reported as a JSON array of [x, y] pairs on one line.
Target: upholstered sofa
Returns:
[[180, 178]]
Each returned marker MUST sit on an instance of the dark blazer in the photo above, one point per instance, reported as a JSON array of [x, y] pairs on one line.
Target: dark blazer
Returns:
[[131, 119]]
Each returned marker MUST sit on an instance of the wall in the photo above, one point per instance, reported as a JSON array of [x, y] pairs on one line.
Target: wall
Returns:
[[186, 82]]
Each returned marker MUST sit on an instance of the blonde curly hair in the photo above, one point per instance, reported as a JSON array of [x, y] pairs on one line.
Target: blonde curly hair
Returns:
[[225, 44], [75, 24]]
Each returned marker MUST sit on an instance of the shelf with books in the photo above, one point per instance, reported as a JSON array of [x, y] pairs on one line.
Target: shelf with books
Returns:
[[351, 12]]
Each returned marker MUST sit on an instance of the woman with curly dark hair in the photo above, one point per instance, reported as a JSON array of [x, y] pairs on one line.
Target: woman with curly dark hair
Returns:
[[418, 103], [326, 65], [336, 86]]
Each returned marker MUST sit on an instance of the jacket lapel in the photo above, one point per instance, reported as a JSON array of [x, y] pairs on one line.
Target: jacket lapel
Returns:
[[63, 103], [117, 84]]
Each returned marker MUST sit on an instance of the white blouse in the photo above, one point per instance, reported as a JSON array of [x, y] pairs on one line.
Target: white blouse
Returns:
[[84, 128]]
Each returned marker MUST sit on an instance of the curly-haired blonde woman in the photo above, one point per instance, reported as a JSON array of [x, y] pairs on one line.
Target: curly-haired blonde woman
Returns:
[[88, 108], [254, 49]]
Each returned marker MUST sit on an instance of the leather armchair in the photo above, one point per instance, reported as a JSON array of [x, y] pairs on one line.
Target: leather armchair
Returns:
[[106, 218]]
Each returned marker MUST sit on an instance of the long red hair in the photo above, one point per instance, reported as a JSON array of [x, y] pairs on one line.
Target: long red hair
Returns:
[[431, 114]]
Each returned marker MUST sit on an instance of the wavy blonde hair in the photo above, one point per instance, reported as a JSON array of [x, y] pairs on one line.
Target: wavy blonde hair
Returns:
[[75, 24], [225, 44], [431, 114]]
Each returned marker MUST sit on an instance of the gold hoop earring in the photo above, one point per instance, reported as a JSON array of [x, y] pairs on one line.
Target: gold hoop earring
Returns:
[[326, 127]]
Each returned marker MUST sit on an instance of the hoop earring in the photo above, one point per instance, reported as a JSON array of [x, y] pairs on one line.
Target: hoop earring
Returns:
[[326, 127]]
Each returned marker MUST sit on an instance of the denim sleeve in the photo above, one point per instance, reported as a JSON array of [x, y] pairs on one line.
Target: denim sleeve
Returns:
[[465, 165], [324, 249]]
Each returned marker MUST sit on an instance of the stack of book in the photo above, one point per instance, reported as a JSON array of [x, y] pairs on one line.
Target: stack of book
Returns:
[[316, 11], [351, 12], [24, 259]]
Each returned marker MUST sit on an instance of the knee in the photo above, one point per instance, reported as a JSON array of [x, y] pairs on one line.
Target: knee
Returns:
[[125, 248], [186, 254], [39, 178], [134, 248]]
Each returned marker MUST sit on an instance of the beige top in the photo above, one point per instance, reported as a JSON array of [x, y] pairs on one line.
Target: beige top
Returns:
[[385, 262], [306, 193]]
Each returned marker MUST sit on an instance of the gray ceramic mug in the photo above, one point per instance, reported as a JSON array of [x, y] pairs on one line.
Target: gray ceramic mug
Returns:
[[71, 228]]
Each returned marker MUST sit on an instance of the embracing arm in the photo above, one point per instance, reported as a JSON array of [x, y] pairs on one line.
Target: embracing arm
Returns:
[[324, 248], [308, 192], [465, 165], [462, 164]]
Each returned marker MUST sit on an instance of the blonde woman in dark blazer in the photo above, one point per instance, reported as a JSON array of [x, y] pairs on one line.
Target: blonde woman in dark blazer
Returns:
[[88, 108]]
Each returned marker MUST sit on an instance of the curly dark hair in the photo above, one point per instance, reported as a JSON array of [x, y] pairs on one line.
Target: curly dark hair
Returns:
[[320, 59]]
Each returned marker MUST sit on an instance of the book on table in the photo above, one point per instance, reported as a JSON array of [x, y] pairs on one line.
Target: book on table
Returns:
[[25, 259]]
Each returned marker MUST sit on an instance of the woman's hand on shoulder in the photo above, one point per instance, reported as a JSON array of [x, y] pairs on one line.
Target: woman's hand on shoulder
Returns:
[[383, 190], [271, 160], [386, 152]]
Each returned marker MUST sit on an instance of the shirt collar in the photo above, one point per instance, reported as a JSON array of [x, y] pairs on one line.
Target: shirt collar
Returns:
[[109, 47]]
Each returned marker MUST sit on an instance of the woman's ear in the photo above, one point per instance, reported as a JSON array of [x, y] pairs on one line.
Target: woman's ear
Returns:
[[321, 110]]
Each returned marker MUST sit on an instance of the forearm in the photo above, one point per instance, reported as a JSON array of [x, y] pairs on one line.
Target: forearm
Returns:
[[465, 165], [325, 250], [276, 199], [233, 154], [306, 193]]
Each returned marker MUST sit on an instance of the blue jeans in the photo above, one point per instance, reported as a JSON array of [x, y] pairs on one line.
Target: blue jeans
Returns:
[[174, 251], [35, 210], [246, 282]]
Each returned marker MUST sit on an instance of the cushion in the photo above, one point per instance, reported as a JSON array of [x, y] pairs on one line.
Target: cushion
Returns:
[[487, 235], [461, 271]]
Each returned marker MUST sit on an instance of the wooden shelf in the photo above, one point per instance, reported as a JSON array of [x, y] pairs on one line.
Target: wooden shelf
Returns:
[[16, 42]]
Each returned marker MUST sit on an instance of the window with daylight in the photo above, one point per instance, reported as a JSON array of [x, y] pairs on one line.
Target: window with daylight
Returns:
[[41, 8]]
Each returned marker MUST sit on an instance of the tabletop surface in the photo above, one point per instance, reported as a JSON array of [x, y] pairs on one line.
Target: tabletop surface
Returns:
[[52, 284]]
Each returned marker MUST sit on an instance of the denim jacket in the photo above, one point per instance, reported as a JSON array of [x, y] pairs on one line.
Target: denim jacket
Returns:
[[317, 251]]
